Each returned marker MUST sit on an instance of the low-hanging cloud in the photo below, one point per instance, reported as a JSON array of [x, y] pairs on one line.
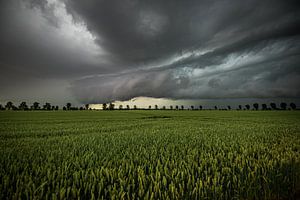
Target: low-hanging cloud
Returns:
[[264, 71], [117, 50]]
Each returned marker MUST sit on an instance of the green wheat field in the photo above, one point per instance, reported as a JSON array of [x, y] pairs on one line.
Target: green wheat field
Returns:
[[146, 154]]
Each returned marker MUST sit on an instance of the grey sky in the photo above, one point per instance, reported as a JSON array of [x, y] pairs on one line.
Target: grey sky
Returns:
[[100, 51]]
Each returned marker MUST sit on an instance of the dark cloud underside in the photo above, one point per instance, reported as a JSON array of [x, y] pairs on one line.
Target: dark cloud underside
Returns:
[[117, 50]]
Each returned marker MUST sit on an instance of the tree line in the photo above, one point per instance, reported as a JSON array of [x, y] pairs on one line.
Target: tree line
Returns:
[[255, 106], [37, 106], [47, 106]]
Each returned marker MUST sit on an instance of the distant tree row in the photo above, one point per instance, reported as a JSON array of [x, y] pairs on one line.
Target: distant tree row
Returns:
[[47, 106], [111, 106], [273, 106], [255, 106], [36, 106]]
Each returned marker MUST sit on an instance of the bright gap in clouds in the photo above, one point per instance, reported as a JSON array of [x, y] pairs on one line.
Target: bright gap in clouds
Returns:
[[145, 102], [74, 31]]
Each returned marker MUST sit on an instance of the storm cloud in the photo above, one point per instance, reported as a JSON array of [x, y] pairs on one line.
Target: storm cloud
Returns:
[[102, 51]]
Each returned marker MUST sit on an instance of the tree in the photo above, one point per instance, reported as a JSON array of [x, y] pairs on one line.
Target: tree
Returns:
[[182, 107], [293, 106], [240, 107], [9, 105], [120, 107], [164, 107], [47, 106], [171, 107], [111, 106], [192, 107], [200, 107], [216, 108], [176, 107], [149, 107], [273, 106], [247, 107], [87, 106], [264, 106], [104, 106], [36, 106], [1, 107], [283, 105], [156, 107], [23, 106], [127, 107], [56, 107], [69, 106], [229, 107], [255, 106], [134, 107], [64, 108]]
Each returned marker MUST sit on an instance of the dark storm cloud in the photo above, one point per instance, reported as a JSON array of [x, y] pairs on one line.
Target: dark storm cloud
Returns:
[[117, 50], [147, 30]]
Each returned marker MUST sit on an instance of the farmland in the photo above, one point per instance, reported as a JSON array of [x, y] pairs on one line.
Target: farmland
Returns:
[[149, 154]]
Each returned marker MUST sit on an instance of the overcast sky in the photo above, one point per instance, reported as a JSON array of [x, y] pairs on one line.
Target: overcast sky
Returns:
[[97, 51]]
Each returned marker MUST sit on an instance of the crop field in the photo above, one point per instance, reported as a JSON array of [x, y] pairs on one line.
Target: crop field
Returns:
[[149, 154]]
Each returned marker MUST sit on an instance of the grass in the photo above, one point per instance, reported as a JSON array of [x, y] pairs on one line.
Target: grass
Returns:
[[149, 154]]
